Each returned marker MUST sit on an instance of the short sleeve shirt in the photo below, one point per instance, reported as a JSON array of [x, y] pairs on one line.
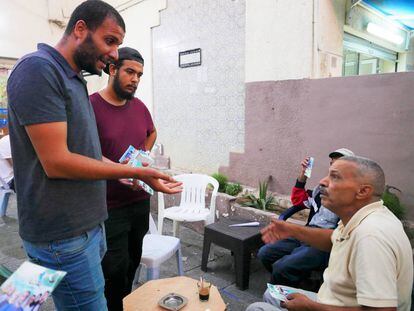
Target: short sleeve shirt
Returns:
[[371, 262], [118, 128], [43, 88]]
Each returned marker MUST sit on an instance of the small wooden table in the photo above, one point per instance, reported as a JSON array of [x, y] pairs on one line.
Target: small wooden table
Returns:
[[242, 241], [146, 297]]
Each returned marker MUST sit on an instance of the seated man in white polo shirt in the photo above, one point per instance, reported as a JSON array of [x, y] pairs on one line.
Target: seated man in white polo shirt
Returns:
[[371, 263]]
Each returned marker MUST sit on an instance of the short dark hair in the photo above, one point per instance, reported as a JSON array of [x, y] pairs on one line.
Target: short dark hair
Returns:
[[93, 13]]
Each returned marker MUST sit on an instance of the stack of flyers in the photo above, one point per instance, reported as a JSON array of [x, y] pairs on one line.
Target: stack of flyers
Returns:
[[28, 287], [279, 292], [135, 158]]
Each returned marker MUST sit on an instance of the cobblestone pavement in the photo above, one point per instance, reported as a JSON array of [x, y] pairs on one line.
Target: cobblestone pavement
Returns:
[[220, 266]]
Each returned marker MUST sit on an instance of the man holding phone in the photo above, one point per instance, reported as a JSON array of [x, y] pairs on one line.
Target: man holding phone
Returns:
[[289, 260]]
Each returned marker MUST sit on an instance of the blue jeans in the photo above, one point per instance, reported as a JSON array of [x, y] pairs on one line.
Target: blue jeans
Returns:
[[83, 286], [291, 261]]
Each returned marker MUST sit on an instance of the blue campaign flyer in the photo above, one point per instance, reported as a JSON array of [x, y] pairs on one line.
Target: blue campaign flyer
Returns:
[[28, 287]]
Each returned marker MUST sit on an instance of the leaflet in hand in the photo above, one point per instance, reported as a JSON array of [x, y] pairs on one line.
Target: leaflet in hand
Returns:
[[308, 170], [279, 292], [135, 158], [28, 287]]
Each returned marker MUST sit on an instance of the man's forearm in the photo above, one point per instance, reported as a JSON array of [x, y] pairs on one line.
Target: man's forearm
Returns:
[[76, 166]]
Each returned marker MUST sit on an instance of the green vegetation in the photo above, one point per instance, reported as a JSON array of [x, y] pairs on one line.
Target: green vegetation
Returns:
[[225, 186], [222, 180], [263, 202], [392, 201], [233, 189]]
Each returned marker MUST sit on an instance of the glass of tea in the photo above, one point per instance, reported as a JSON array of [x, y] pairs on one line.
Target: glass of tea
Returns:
[[203, 289]]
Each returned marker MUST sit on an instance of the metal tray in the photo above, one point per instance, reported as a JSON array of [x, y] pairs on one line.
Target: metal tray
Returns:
[[173, 301]]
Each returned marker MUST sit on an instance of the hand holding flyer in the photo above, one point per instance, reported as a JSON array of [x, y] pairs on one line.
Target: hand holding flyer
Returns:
[[135, 158], [279, 292]]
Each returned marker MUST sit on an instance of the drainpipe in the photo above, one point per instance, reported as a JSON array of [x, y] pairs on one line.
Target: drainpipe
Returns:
[[315, 56], [408, 39]]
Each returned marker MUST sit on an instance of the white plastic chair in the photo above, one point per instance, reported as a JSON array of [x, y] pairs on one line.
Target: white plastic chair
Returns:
[[5, 192], [157, 249], [192, 206]]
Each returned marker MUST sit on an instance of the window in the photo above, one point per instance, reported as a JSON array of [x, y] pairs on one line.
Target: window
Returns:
[[362, 57]]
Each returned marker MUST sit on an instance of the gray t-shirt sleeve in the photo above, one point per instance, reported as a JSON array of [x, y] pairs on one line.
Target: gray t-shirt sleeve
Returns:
[[35, 92]]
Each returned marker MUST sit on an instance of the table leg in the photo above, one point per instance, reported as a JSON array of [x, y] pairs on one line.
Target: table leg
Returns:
[[206, 252], [242, 267]]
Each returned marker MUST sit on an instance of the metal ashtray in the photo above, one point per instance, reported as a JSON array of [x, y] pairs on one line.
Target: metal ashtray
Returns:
[[173, 301]]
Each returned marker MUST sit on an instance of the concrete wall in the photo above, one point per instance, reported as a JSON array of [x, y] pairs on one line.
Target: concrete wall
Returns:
[[139, 20], [23, 25], [278, 39], [199, 111], [294, 39], [288, 120], [329, 31]]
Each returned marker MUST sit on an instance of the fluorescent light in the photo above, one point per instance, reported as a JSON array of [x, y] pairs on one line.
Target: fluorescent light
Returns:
[[401, 17], [384, 33]]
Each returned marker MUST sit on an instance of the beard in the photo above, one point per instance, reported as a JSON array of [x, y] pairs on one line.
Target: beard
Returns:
[[119, 91], [86, 56]]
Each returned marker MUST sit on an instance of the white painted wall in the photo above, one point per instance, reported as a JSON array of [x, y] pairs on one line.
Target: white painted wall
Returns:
[[139, 20], [329, 33], [23, 24], [278, 39], [293, 39]]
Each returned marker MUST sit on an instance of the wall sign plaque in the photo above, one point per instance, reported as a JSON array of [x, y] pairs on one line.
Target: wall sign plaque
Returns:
[[189, 58]]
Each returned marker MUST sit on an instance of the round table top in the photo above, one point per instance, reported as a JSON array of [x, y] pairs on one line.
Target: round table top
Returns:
[[146, 296]]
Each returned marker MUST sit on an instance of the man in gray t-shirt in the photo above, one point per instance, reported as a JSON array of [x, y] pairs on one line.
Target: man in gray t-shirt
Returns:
[[59, 170]]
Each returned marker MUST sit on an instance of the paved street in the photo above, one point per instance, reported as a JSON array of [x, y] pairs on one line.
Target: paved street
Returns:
[[220, 266]]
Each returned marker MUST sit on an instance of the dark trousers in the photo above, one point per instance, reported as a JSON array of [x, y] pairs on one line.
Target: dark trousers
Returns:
[[291, 261], [125, 230]]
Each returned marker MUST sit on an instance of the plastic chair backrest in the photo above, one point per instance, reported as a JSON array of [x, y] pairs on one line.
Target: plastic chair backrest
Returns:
[[194, 189], [152, 226], [3, 184]]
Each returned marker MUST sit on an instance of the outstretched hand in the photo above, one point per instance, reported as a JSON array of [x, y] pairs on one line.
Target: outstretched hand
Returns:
[[277, 230], [159, 181]]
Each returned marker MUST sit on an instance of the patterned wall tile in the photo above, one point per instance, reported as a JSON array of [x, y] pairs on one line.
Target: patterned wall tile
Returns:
[[199, 111]]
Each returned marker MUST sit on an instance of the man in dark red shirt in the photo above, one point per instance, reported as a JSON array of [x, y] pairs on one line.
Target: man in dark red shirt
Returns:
[[123, 120]]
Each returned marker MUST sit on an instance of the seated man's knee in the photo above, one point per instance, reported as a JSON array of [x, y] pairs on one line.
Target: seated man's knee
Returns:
[[262, 253], [261, 306], [281, 266], [263, 256]]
